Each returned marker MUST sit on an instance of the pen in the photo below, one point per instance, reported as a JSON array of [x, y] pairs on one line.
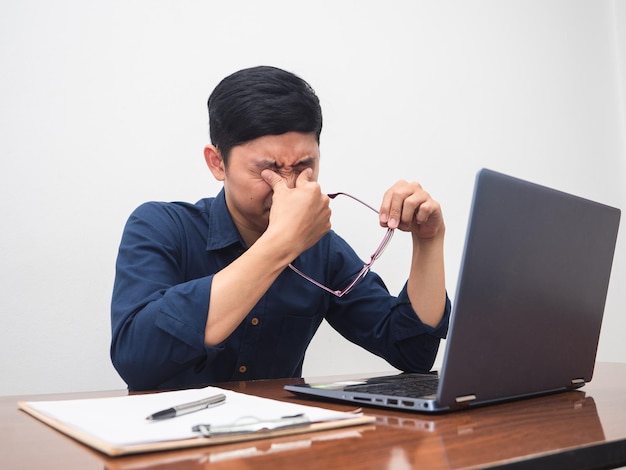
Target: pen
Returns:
[[188, 407]]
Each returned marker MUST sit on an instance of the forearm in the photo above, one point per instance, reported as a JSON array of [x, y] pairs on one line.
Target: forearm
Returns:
[[156, 334], [142, 353], [237, 288], [426, 285]]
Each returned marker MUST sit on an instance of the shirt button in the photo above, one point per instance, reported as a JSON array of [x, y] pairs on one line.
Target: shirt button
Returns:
[[254, 321], [243, 369]]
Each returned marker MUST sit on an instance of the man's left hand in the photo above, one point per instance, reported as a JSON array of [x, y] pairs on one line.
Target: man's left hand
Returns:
[[408, 207]]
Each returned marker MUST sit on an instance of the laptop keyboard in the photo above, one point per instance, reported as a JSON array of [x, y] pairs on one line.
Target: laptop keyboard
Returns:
[[406, 385]]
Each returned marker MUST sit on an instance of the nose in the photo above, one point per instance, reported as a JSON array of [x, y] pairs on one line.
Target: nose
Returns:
[[290, 180]]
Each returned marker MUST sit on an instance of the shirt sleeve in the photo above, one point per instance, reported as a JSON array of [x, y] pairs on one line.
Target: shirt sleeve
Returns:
[[384, 324], [158, 317]]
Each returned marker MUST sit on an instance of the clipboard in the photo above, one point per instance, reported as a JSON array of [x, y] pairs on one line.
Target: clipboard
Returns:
[[116, 426]]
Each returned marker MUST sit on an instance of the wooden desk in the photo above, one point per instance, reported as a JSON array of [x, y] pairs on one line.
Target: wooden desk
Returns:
[[579, 429]]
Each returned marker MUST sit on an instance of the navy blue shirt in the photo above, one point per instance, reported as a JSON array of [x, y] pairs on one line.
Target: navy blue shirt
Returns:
[[167, 258]]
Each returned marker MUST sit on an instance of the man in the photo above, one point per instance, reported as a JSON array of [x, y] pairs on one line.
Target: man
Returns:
[[233, 287]]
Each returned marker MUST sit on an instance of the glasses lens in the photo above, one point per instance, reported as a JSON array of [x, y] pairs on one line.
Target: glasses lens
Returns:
[[346, 219]]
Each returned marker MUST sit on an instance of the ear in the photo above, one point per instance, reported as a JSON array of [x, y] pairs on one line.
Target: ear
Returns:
[[214, 161]]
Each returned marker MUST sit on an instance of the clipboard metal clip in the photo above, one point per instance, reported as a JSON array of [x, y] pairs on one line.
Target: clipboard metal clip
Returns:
[[251, 424]]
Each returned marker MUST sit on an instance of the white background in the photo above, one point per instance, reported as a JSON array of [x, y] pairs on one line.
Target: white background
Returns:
[[102, 107]]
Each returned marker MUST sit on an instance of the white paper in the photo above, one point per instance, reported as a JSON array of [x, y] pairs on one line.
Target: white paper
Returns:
[[121, 421]]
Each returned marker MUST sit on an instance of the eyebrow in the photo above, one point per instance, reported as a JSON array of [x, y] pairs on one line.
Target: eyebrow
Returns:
[[304, 162]]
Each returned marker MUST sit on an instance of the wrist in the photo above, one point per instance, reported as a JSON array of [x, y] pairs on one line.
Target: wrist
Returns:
[[437, 239], [277, 247]]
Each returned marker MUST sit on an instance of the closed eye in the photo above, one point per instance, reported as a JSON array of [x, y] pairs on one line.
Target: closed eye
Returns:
[[296, 169]]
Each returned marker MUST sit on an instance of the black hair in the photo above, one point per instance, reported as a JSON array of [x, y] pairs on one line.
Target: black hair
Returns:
[[261, 101]]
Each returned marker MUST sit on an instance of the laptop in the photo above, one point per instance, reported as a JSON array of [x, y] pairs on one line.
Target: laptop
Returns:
[[528, 308]]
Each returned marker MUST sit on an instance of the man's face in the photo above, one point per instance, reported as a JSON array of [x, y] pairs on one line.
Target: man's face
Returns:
[[248, 196]]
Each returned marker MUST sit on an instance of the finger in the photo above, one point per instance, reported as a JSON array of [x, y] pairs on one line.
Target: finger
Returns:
[[426, 210], [304, 177], [383, 212], [401, 205], [395, 211], [390, 217], [272, 178], [391, 209], [416, 207]]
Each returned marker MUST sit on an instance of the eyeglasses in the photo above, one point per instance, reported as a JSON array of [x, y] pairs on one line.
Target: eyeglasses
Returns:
[[366, 267]]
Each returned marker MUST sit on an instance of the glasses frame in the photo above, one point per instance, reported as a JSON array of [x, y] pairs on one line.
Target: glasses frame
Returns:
[[366, 267]]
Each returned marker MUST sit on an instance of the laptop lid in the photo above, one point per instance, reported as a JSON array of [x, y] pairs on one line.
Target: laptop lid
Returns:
[[531, 292], [529, 303]]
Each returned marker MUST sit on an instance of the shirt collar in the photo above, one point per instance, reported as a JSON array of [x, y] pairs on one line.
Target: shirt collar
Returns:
[[222, 230]]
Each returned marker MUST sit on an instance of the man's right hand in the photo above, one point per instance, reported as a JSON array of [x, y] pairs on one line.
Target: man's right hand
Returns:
[[299, 214], [299, 217]]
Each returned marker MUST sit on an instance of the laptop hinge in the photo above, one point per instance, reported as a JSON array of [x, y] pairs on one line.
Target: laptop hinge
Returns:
[[465, 398]]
